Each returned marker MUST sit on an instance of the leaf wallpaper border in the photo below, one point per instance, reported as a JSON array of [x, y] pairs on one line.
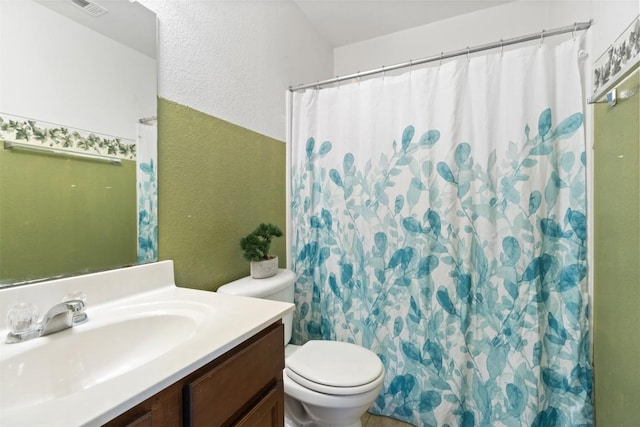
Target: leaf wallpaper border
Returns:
[[50, 135], [625, 49]]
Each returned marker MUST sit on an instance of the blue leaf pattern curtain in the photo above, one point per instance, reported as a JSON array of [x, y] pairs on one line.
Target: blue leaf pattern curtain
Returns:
[[147, 192], [439, 220]]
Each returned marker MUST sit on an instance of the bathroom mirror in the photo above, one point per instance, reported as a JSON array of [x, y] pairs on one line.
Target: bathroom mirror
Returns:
[[81, 73]]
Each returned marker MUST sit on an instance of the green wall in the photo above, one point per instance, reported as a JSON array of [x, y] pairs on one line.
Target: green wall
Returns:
[[617, 260], [216, 183], [60, 215]]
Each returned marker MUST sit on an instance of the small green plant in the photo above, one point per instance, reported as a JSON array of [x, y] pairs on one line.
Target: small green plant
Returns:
[[256, 245]]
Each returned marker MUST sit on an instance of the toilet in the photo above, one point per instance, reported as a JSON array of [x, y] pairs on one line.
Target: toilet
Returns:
[[326, 383]]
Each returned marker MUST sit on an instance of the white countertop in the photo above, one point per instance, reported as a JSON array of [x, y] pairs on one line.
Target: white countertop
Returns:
[[222, 322]]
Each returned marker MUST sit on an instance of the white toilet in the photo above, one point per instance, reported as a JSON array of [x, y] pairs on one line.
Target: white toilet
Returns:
[[326, 383]]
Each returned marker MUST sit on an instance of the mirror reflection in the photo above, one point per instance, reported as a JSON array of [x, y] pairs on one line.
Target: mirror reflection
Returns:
[[77, 82]]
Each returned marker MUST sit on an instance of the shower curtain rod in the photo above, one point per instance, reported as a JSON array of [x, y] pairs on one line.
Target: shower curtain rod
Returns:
[[578, 26]]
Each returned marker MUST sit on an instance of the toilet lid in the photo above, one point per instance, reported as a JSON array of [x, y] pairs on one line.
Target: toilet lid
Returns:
[[334, 367]]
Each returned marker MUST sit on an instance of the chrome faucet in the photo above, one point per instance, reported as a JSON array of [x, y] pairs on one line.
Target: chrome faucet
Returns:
[[62, 316], [59, 317]]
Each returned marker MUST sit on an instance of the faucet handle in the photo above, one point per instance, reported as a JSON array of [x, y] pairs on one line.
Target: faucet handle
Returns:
[[22, 317], [23, 322], [76, 295]]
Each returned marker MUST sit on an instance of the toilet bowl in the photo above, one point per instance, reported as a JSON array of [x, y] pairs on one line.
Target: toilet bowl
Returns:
[[326, 383], [330, 383]]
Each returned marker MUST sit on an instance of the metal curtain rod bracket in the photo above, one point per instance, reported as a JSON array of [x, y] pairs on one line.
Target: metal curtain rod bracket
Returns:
[[578, 26], [146, 120], [8, 145]]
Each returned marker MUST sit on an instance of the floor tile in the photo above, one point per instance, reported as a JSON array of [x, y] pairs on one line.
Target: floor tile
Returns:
[[364, 419], [378, 421]]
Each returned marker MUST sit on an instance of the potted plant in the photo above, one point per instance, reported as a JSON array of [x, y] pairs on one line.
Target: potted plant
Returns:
[[255, 249]]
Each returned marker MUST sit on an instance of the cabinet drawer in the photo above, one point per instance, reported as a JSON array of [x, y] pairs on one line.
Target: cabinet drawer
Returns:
[[219, 396]]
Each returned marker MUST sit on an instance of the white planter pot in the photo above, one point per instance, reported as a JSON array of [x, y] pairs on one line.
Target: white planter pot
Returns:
[[264, 269]]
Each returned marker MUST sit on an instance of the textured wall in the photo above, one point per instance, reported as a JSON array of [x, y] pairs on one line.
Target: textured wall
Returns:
[[617, 260], [217, 182], [235, 59], [224, 67]]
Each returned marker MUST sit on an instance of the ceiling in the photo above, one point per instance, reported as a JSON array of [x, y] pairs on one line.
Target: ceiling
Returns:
[[126, 22], [343, 22], [339, 22]]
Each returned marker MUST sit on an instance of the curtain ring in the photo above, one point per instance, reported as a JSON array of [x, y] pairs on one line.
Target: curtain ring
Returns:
[[468, 52], [410, 65], [501, 47], [383, 72], [541, 37], [441, 57], [575, 28]]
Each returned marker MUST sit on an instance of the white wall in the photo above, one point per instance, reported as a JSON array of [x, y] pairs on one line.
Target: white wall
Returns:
[[55, 70], [235, 59], [486, 26]]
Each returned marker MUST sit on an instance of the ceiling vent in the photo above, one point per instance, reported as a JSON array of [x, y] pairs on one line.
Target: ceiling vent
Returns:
[[91, 8]]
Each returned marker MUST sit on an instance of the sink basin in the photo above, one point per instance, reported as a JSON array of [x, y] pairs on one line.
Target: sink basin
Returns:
[[144, 333], [111, 344]]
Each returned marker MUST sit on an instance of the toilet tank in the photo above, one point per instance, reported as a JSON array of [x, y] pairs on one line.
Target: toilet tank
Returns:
[[275, 288]]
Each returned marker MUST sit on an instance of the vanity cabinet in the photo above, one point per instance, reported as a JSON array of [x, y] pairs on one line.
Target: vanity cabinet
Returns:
[[243, 387]]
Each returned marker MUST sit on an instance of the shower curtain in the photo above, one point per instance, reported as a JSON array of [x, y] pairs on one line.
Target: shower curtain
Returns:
[[147, 191], [438, 219]]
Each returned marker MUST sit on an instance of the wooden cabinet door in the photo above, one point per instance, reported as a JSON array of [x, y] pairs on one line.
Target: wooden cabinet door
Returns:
[[224, 393]]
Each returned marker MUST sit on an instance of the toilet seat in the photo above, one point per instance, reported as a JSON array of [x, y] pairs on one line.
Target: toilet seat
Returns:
[[334, 367]]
